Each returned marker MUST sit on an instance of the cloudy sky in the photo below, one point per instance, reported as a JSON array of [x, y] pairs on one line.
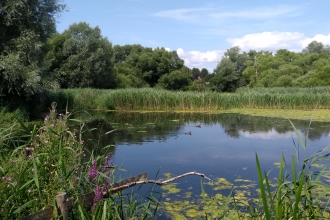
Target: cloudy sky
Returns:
[[201, 30]]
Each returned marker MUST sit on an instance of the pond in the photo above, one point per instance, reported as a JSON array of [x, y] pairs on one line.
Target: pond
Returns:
[[223, 148]]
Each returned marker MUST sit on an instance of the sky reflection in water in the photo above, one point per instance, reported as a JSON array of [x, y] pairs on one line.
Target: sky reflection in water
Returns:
[[224, 146]]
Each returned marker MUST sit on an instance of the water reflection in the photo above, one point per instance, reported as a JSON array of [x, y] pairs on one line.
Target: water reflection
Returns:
[[158, 141], [224, 146], [136, 128]]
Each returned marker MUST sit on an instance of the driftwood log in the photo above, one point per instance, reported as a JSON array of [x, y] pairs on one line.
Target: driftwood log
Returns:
[[142, 179], [64, 205]]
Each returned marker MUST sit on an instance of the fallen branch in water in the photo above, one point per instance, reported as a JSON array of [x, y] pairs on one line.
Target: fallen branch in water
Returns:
[[143, 179], [65, 204]]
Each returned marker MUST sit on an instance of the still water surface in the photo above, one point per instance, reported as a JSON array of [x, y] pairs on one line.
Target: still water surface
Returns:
[[224, 146]]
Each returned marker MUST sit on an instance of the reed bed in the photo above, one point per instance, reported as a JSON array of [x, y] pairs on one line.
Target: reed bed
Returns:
[[148, 99]]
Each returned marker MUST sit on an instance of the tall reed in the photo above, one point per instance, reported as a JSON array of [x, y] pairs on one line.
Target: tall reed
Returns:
[[163, 100]]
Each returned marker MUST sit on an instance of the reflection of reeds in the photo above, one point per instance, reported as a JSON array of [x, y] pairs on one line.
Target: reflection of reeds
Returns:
[[163, 100]]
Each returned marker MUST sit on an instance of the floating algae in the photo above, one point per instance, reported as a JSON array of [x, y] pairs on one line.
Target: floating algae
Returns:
[[171, 188]]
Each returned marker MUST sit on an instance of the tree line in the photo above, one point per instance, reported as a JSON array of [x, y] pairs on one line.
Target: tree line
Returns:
[[81, 57], [310, 67], [34, 59]]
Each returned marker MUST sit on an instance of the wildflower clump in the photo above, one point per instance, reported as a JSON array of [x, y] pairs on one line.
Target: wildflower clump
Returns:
[[100, 179], [45, 161]]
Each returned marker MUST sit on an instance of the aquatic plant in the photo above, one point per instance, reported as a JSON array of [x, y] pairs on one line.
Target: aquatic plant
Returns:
[[300, 193], [148, 99]]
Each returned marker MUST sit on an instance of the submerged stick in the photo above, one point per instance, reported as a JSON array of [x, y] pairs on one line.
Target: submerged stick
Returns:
[[143, 180]]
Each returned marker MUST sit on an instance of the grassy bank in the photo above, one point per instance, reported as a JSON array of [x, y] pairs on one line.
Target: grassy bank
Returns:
[[148, 99], [37, 163]]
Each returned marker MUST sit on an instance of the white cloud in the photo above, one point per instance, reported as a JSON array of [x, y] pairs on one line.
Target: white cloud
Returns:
[[185, 14], [213, 16], [272, 134], [273, 41], [325, 39], [259, 13], [199, 59]]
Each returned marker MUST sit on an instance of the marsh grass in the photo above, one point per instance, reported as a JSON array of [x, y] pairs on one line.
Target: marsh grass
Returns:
[[148, 99], [39, 162]]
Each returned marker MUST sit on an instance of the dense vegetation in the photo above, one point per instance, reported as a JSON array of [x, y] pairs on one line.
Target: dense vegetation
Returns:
[[38, 66], [38, 162], [35, 59], [148, 99]]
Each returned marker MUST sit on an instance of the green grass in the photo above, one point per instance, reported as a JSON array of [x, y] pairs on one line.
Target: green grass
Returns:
[[148, 99], [39, 162]]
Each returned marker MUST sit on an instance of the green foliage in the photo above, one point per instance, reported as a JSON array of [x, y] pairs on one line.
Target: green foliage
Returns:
[[80, 57], [130, 81], [204, 72], [25, 27], [147, 64], [36, 166], [286, 68], [174, 80], [228, 73], [41, 164], [195, 71], [314, 47]]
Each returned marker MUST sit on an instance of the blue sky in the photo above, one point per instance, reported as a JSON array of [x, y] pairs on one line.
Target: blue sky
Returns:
[[202, 30]]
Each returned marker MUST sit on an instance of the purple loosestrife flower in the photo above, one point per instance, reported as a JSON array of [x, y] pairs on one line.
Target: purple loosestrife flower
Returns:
[[92, 172], [102, 169], [99, 193], [106, 160]]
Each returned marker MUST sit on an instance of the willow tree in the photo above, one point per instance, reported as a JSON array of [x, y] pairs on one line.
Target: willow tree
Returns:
[[25, 27], [82, 57]]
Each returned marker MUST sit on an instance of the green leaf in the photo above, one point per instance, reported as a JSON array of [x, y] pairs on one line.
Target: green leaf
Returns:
[[262, 189], [302, 143], [35, 173], [23, 206], [298, 195], [26, 184]]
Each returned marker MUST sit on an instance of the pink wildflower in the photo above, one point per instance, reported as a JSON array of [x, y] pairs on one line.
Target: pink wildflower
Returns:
[[92, 172]]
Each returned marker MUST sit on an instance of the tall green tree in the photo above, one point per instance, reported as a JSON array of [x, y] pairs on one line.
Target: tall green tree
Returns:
[[25, 26], [314, 47], [82, 57], [229, 71], [204, 72], [175, 80], [146, 63], [195, 71]]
